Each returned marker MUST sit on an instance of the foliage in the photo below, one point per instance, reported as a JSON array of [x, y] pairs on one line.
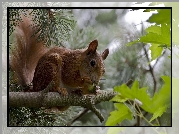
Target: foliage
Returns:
[[162, 17], [117, 116], [159, 37], [54, 25], [110, 19], [156, 105], [80, 38]]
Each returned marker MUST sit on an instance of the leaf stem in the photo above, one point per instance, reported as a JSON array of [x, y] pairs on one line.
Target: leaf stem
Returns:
[[139, 112], [157, 121], [141, 115]]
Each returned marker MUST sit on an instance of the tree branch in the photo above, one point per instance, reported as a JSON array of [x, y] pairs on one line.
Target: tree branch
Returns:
[[53, 99]]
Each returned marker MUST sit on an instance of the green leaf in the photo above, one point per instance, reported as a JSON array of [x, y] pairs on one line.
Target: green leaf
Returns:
[[135, 93], [132, 43], [154, 37], [162, 17], [158, 113], [117, 116], [155, 51], [119, 98], [163, 97], [151, 105], [154, 29], [149, 10], [115, 130], [166, 34]]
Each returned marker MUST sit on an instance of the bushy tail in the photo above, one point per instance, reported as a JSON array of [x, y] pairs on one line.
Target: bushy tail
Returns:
[[26, 53]]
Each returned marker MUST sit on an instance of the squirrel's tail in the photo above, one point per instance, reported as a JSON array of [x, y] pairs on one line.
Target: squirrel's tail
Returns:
[[27, 51]]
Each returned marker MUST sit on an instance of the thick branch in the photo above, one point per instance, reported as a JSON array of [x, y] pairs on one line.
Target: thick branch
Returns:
[[52, 99]]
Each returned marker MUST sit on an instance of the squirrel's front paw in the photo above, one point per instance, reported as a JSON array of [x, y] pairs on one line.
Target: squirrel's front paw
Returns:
[[87, 81]]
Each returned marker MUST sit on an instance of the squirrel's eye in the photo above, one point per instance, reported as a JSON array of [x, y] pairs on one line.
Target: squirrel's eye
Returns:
[[92, 63]]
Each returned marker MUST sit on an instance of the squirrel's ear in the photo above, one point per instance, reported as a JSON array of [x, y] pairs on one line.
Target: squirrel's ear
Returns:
[[92, 46], [105, 53]]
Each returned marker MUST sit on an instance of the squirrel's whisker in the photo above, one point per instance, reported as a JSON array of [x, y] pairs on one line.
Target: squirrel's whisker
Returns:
[[102, 79]]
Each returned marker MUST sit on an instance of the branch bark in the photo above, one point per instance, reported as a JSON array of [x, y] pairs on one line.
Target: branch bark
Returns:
[[52, 99]]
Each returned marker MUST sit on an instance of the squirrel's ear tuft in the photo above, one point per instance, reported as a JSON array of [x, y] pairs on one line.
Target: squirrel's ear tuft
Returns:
[[92, 46], [105, 53]]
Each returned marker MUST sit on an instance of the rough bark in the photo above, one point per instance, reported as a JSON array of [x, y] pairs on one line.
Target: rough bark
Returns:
[[52, 99]]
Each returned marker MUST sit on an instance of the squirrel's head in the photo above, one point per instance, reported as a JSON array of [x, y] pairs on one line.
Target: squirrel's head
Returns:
[[92, 64]]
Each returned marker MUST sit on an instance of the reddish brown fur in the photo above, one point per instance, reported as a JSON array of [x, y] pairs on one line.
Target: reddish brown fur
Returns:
[[27, 52], [65, 69]]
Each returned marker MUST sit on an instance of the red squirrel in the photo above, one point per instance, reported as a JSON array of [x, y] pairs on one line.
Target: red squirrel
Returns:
[[67, 69]]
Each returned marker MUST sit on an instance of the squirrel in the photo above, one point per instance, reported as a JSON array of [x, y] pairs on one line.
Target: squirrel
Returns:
[[68, 70]]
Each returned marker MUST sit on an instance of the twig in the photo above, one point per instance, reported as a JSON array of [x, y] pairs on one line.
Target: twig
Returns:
[[138, 121], [129, 82], [141, 115], [78, 116], [157, 121], [151, 70]]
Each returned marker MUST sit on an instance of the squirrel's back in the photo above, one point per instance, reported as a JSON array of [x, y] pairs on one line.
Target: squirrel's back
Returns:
[[26, 51]]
